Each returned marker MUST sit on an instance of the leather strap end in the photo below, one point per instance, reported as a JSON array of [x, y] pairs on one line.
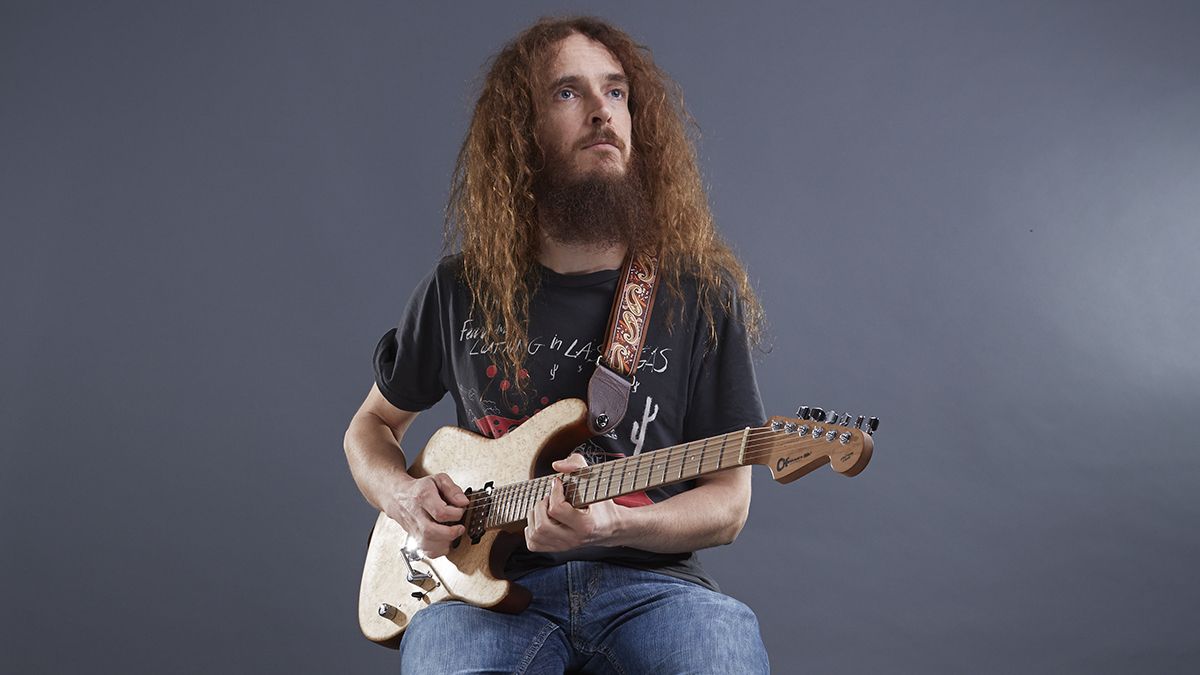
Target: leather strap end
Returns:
[[608, 396]]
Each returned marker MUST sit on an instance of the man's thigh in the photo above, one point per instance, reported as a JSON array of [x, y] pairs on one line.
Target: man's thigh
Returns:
[[453, 637], [665, 625]]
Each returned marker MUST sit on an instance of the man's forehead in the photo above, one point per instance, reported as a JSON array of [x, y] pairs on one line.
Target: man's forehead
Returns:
[[578, 56]]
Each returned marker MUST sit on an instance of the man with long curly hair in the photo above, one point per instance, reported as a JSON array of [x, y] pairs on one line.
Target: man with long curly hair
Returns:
[[577, 155]]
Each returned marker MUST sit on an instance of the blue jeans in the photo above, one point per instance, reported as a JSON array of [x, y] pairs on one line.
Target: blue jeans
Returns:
[[591, 617]]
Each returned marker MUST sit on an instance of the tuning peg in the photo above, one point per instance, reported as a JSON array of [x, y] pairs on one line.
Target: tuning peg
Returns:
[[872, 425], [845, 420], [803, 412], [832, 416], [858, 422], [818, 414]]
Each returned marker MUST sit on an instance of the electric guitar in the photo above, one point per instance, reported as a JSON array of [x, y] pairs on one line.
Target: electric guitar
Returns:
[[504, 477]]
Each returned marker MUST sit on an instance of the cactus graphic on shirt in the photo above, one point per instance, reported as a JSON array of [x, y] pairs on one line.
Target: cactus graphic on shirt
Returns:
[[638, 433]]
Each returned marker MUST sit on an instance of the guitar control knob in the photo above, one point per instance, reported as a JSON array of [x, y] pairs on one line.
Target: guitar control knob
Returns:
[[387, 611], [804, 412], [872, 425]]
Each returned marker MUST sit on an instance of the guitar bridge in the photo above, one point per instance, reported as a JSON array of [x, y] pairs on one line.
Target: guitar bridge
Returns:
[[409, 555]]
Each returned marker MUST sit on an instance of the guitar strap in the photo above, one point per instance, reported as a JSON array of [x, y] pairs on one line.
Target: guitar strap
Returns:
[[608, 390]]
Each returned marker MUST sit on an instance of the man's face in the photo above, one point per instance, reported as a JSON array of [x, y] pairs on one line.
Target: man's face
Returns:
[[583, 121]]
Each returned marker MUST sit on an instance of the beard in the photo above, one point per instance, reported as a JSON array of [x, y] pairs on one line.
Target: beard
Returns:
[[596, 210]]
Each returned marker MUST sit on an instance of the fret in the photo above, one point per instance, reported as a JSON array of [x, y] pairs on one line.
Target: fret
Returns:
[[509, 501], [634, 464], [700, 464], [571, 490], [585, 484], [721, 456], [683, 460], [666, 463], [644, 483]]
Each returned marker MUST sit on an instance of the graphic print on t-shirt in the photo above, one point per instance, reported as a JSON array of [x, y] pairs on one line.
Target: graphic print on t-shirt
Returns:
[[503, 406], [497, 406]]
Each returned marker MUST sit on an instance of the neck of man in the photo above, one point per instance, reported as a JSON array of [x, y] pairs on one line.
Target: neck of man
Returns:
[[580, 258]]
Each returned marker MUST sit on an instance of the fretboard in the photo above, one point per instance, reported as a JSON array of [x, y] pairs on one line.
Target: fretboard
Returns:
[[512, 503]]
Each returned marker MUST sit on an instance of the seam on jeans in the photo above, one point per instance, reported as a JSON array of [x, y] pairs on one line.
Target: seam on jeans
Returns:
[[612, 660], [535, 647]]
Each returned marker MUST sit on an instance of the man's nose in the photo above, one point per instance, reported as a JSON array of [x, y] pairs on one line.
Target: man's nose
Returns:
[[601, 111]]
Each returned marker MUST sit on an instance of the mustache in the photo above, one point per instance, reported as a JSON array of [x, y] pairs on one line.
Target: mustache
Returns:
[[603, 137]]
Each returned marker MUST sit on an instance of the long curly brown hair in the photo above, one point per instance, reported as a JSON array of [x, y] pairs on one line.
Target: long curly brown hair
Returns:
[[492, 211]]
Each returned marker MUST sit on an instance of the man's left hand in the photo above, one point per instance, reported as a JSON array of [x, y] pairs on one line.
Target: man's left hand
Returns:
[[555, 525]]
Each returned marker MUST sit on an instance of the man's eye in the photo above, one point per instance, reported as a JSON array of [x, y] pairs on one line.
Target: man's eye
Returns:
[[565, 94], [617, 93]]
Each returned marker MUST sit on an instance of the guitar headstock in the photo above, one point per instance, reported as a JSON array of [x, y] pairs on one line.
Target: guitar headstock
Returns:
[[795, 446]]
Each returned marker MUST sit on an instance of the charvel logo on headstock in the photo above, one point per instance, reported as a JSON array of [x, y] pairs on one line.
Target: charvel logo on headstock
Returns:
[[785, 461]]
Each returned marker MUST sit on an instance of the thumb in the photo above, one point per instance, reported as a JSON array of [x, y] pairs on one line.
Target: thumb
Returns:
[[570, 463]]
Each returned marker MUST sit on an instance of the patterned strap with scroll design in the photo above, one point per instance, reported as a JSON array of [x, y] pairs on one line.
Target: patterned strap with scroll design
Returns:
[[608, 390], [626, 334]]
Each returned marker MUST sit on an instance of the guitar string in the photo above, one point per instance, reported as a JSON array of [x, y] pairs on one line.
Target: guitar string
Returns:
[[762, 436]]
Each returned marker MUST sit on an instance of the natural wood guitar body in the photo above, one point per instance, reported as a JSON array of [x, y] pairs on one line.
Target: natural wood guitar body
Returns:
[[470, 572]]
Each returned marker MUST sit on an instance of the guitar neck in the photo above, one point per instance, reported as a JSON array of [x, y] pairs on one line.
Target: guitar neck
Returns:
[[509, 504]]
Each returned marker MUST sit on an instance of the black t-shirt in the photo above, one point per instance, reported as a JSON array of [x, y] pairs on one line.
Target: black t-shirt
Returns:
[[685, 387]]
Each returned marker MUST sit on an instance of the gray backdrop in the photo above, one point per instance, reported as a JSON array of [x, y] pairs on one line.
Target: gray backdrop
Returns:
[[976, 221]]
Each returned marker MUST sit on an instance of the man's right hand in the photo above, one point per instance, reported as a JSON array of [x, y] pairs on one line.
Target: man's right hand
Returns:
[[422, 505]]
